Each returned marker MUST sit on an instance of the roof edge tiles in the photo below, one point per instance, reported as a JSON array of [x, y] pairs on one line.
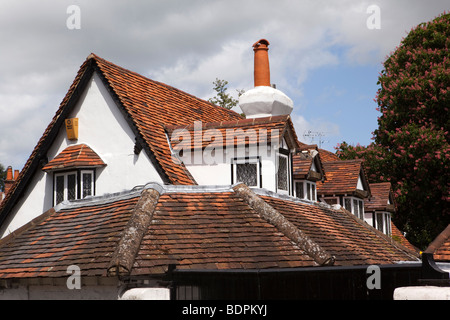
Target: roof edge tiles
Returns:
[[439, 240], [271, 215]]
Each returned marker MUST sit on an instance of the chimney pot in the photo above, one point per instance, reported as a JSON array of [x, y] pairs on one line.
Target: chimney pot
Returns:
[[261, 63]]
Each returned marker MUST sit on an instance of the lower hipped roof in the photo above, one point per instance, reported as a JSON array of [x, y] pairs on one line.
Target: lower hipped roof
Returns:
[[142, 232]]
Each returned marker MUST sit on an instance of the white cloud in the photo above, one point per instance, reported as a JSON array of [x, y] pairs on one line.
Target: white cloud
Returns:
[[316, 131], [183, 43]]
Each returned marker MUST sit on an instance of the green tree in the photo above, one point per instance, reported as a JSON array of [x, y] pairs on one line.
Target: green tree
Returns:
[[222, 98], [411, 145]]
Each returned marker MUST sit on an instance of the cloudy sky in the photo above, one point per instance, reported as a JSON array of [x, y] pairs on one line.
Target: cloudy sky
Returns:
[[325, 55]]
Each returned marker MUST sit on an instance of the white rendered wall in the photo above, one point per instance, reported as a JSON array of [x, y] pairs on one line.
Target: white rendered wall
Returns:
[[103, 128], [219, 173]]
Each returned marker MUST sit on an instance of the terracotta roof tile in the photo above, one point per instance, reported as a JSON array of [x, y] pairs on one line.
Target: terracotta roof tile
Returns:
[[75, 156], [341, 177], [398, 236], [192, 229], [328, 155], [85, 236], [440, 247], [380, 196], [151, 104], [243, 132], [351, 241]]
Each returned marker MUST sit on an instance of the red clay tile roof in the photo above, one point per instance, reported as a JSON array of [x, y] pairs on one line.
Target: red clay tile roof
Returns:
[[328, 155], [242, 131], [85, 236], [440, 247], [341, 234], [147, 105], [398, 236], [381, 193], [76, 156], [213, 231], [151, 104], [341, 177], [193, 228]]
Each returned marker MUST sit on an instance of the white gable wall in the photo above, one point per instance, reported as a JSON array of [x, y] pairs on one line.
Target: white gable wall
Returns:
[[103, 128]]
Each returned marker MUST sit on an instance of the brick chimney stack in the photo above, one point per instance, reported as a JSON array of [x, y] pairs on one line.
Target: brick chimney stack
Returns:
[[9, 181]]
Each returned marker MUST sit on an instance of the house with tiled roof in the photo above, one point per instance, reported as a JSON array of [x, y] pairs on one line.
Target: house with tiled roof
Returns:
[[346, 184], [136, 185]]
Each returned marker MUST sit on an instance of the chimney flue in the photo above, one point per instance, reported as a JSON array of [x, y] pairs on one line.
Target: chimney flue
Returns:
[[261, 68]]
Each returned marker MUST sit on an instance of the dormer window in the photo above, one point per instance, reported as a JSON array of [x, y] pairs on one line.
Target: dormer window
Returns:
[[73, 171]]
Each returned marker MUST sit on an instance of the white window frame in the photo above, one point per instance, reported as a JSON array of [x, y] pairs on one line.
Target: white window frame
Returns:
[[386, 222], [305, 183], [288, 180], [355, 209], [78, 183], [245, 160], [91, 173], [65, 188]]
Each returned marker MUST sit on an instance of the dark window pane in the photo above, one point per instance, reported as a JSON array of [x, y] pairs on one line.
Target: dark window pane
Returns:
[[299, 188], [59, 189], [282, 173], [71, 186], [380, 221], [348, 204], [247, 173], [313, 191], [87, 184]]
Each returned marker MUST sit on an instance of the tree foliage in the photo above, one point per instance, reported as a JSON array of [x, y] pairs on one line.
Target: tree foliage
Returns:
[[222, 98], [411, 145]]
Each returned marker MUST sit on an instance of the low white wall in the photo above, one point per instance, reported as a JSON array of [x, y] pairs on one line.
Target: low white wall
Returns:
[[422, 293], [146, 294], [48, 292]]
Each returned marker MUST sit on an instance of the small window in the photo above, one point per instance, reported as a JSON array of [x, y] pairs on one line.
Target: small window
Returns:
[[305, 190], [283, 173], [348, 204], [73, 185], [383, 222], [355, 206], [59, 188], [247, 173], [86, 183], [331, 201], [299, 190], [246, 170]]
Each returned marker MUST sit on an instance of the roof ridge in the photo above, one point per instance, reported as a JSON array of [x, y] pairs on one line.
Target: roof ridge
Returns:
[[271, 215], [103, 60], [231, 123], [125, 253]]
